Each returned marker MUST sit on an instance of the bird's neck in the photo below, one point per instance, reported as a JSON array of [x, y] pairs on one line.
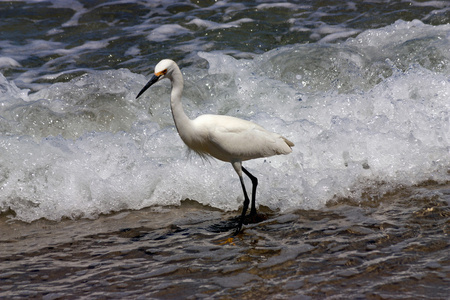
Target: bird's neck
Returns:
[[182, 122]]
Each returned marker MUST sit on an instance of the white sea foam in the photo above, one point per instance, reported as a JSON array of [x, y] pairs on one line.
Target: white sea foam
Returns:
[[8, 62], [282, 5], [361, 122], [164, 32], [440, 4], [210, 25], [340, 34]]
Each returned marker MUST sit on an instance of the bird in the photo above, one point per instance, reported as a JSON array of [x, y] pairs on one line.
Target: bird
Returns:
[[223, 137]]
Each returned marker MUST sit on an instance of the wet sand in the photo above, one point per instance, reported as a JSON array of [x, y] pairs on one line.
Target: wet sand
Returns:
[[394, 247]]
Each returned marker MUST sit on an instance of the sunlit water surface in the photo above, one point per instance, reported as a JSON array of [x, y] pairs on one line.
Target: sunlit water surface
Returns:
[[395, 247]]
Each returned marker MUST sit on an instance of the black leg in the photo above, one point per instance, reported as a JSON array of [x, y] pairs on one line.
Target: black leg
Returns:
[[254, 185], [244, 209]]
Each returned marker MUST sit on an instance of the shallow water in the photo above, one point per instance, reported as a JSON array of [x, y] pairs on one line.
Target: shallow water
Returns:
[[94, 184], [395, 247]]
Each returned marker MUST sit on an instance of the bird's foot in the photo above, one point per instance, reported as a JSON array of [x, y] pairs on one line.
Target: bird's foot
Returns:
[[238, 228], [254, 217]]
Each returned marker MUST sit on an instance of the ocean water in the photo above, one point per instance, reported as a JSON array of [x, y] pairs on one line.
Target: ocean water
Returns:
[[99, 197]]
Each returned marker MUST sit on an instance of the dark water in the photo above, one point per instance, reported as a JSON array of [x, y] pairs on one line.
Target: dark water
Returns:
[[58, 40], [94, 185], [395, 247]]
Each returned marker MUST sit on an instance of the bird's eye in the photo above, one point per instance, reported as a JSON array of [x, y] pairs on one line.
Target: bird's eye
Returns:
[[163, 72]]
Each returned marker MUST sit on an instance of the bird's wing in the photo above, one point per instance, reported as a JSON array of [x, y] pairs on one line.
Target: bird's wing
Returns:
[[240, 139]]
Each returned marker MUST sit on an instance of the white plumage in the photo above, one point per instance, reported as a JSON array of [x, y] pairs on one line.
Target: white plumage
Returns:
[[224, 137]]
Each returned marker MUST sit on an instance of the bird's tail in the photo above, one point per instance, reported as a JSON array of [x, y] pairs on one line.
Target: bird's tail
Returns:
[[288, 142]]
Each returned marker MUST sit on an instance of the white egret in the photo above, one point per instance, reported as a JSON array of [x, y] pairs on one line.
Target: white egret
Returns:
[[226, 138]]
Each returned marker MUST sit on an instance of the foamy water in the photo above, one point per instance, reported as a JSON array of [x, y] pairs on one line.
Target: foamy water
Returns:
[[372, 110]]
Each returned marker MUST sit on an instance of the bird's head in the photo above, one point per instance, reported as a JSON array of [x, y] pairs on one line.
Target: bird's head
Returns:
[[163, 69]]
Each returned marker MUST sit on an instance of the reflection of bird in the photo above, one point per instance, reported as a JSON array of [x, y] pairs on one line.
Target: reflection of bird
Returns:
[[223, 137]]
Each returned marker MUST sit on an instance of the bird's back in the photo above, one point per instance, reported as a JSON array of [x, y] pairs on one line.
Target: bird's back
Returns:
[[229, 138]]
